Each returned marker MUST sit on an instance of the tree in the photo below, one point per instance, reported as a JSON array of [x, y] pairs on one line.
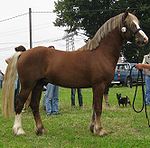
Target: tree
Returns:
[[82, 14], [89, 15]]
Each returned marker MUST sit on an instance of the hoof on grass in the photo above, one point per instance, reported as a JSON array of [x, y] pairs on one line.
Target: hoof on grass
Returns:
[[18, 131]]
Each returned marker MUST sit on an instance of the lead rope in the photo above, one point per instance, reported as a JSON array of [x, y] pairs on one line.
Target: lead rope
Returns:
[[140, 72]]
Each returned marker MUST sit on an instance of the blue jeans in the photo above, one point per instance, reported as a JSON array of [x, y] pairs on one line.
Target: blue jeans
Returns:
[[51, 99], [73, 92], [1, 82], [17, 87], [147, 94]]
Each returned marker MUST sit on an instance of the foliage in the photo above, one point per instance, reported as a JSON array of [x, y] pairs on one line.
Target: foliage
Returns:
[[83, 14], [89, 15], [141, 7], [71, 128]]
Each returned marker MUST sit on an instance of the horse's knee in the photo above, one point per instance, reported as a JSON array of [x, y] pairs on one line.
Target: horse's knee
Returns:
[[18, 104]]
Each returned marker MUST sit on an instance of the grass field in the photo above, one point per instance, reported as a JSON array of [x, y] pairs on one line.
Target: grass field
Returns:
[[70, 129]]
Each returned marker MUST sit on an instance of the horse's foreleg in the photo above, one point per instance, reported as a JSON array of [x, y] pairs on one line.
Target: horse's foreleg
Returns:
[[96, 126], [19, 102], [35, 101], [17, 127]]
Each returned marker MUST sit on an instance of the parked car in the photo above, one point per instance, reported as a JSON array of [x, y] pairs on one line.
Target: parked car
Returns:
[[122, 74]]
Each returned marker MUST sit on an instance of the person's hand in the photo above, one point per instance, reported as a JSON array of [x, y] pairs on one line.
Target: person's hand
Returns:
[[139, 66]]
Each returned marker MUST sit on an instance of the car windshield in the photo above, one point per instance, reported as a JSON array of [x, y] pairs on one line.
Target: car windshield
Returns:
[[122, 67]]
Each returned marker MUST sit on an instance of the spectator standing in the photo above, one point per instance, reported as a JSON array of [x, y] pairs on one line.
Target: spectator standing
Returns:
[[146, 60], [51, 99], [73, 92], [1, 78]]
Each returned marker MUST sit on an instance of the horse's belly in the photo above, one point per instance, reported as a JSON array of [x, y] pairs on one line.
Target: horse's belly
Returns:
[[71, 82]]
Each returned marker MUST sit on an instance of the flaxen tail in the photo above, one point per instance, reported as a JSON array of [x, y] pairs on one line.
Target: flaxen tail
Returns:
[[9, 87]]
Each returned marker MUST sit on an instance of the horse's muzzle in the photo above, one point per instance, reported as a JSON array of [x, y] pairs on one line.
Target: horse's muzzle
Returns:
[[141, 42]]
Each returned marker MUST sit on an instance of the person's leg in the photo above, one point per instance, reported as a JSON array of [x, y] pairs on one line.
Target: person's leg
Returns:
[[73, 91], [80, 97], [17, 87], [55, 100], [48, 99], [147, 94], [0, 83]]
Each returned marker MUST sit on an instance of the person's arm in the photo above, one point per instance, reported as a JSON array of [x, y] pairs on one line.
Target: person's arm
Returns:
[[142, 66], [2, 73], [8, 60]]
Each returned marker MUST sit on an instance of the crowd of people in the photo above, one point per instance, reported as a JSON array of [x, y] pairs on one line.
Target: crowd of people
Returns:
[[51, 92]]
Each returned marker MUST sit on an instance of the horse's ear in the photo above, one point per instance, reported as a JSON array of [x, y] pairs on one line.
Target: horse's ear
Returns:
[[124, 16], [127, 10]]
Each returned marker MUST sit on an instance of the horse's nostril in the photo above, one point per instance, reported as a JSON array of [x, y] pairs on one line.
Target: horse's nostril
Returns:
[[145, 40]]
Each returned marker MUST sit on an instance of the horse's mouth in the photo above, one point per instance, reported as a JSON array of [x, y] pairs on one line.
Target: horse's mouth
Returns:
[[141, 44]]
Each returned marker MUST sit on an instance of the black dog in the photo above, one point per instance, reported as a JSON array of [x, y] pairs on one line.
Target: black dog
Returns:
[[123, 100]]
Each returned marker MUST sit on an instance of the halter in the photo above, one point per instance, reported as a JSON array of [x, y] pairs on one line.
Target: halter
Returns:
[[137, 31], [124, 29], [133, 33]]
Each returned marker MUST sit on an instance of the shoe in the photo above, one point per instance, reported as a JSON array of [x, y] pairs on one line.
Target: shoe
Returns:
[[23, 111], [55, 113], [49, 114], [44, 108]]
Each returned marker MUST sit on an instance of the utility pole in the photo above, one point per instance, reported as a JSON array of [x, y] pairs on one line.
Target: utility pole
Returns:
[[30, 26], [70, 42]]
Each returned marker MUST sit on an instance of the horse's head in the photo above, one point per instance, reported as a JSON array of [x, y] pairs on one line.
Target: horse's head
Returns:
[[131, 29]]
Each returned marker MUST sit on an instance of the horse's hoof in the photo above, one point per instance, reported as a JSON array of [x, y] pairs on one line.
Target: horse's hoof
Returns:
[[40, 132], [100, 132], [103, 132], [18, 131], [92, 128]]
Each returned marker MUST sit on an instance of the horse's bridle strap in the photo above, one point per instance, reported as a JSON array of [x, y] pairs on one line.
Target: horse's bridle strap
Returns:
[[137, 31]]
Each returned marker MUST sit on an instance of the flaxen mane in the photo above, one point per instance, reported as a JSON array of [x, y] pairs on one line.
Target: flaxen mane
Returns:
[[107, 27]]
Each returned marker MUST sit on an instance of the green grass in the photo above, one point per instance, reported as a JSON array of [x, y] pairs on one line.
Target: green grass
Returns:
[[70, 129]]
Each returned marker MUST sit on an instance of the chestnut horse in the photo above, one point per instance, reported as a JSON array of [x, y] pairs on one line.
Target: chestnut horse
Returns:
[[93, 65]]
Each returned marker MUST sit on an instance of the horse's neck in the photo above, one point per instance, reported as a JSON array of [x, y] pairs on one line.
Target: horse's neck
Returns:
[[110, 46]]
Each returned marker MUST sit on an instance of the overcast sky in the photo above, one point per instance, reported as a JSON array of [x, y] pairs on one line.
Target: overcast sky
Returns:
[[14, 27]]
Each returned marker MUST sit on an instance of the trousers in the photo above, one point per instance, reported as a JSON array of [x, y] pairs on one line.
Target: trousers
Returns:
[[51, 98], [147, 93], [73, 92]]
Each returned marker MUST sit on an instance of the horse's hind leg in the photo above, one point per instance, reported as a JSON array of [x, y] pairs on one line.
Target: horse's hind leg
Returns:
[[96, 126], [19, 102], [35, 102]]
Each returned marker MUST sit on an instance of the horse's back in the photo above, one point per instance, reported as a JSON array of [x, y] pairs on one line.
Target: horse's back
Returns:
[[32, 62]]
